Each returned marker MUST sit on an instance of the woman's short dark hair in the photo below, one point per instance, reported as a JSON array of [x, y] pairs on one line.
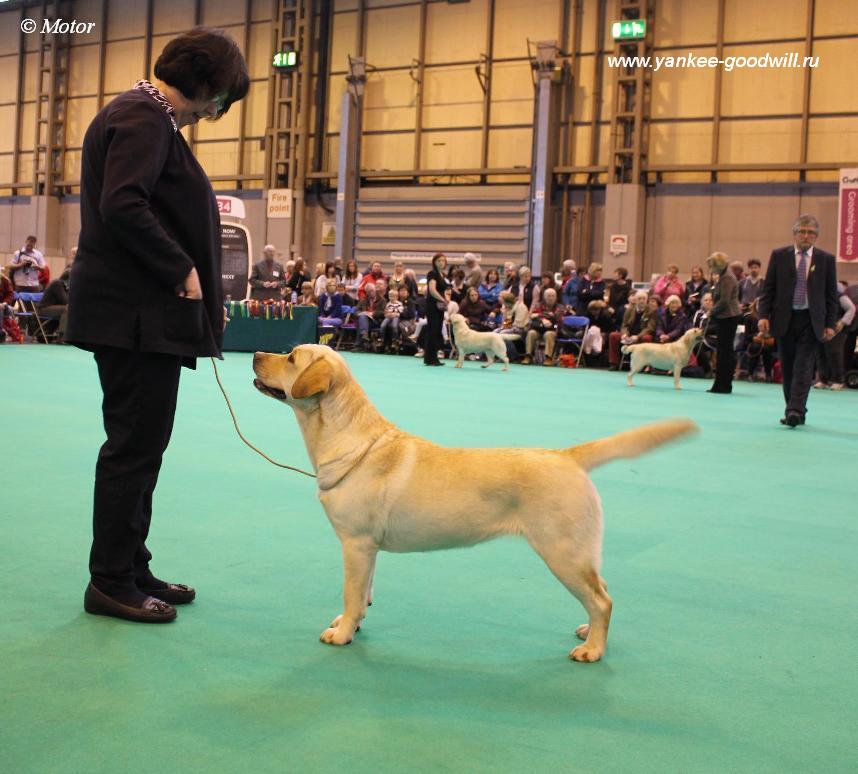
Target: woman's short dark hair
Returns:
[[204, 64]]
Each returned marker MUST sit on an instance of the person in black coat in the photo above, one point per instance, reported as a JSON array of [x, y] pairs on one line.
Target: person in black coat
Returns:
[[436, 303], [726, 315], [146, 297], [798, 304]]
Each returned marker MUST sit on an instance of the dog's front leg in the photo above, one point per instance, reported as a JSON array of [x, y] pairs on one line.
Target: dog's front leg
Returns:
[[358, 564]]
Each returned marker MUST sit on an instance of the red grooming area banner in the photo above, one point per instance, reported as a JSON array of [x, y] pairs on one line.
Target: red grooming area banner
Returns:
[[847, 216]]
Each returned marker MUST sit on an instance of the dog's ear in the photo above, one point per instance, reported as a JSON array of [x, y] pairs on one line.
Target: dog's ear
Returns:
[[316, 378]]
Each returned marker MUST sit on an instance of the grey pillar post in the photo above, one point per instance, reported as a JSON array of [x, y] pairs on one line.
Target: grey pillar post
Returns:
[[544, 154], [348, 167]]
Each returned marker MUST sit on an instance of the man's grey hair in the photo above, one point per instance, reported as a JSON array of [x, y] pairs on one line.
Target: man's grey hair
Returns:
[[569, 264], [805, 221]]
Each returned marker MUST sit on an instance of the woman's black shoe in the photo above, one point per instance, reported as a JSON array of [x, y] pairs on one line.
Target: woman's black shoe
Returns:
[[152, 611], [174, 593], [720, 392], [434, 364]]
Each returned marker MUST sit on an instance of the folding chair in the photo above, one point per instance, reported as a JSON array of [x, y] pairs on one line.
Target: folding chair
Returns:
[[349, 325], [580, 325], [28, 313]]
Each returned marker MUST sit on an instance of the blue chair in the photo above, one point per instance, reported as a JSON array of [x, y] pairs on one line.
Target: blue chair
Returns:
[[575, 328], [349, 325], [28, 312]]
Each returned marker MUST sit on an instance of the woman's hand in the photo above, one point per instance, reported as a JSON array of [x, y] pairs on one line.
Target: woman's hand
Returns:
[[191, 288]]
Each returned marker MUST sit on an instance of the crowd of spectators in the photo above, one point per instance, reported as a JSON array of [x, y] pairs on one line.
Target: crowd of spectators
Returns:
[[389, 312]]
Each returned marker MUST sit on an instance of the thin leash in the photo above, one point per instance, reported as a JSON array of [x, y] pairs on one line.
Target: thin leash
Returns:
[[241, 435]]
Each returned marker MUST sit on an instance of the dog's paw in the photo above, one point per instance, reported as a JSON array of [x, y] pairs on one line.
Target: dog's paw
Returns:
[[581, 632], [585, 654], [336, 622], [337, 635]]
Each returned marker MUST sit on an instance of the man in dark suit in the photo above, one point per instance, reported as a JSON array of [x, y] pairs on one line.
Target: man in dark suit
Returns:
[[268, 277], [799, 306]]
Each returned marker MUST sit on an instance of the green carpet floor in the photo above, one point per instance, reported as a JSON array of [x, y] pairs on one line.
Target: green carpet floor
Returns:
[[732, 560]]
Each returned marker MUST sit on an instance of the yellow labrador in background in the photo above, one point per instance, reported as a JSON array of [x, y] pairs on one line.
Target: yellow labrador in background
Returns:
[[469, 341], [666, 357], [384, 489]]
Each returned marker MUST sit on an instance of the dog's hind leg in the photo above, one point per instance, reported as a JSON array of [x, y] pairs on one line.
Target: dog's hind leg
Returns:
[[358, 565], [577, 574], [490, 358]]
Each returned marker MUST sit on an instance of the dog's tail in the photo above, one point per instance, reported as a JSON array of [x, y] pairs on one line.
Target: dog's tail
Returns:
[[630, 443]]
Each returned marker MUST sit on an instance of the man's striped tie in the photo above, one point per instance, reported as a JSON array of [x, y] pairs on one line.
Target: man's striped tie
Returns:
[[799, 296]]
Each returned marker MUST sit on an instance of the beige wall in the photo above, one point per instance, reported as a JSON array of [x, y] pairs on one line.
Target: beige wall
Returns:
[[760, 109]]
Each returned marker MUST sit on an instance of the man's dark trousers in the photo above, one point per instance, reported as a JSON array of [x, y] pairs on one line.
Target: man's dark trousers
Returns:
[[140, 390], [797, 352]]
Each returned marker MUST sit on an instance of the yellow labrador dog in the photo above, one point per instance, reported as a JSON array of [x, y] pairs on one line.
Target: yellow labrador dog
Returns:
[[380, 489], [468, 341], [666, 357]]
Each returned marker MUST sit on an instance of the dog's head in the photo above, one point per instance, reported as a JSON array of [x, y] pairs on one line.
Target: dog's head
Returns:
[[457, 319], [694, 334], [308, 371]]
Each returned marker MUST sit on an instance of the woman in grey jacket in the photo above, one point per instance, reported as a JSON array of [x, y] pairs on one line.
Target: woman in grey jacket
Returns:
[[726, 315]]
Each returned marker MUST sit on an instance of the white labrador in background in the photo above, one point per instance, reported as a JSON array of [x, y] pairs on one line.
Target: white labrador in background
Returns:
[[666, 357], [384, 489], [469, 341]]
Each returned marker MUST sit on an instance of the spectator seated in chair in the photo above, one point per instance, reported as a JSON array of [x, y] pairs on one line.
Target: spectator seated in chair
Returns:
[[491, 288], [695, 289], [408, 316], [525, 288], [601, 325], [307, 297], [331, 306], [709, 342], [672, 322], [545, 320], [591, 287], [570, 283], [514, 323], [638, 327], [55, 302], [371, 277], [618, 294], [669, 284], [390, 324], [475, 311], [370, 311]]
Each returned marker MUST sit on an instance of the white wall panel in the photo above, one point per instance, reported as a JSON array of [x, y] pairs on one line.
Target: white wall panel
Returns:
[[512, 93], [443, 150], [682, 92], [456, 33], [680, 23], [391, 36], [452, 97], [387, 151], [829, 18], [764, 19], [517, 21], [172, 16], [833, 139], [80, 113], [83, 70], [757, 91], [123, 66], [125, 18], [222, 13], [9, 81], [343, 41], [833, 82], [389, 101], [7, 137]]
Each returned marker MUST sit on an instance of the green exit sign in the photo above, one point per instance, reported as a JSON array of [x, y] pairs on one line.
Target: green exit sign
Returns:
[[285, 60], [631, 29]]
